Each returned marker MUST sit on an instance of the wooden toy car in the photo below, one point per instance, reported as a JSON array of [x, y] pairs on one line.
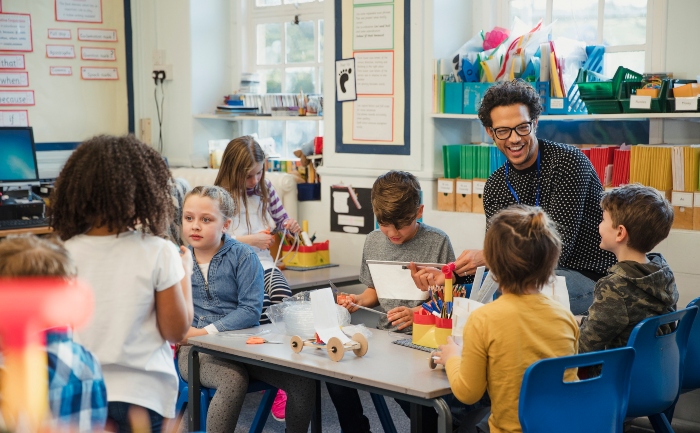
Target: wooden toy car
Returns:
[[335, 348]]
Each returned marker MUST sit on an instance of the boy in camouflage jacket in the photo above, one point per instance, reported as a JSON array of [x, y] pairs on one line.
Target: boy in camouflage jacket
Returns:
[[635, 219]]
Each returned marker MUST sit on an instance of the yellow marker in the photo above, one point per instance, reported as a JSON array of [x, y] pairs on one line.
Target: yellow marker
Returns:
[[305, 226]]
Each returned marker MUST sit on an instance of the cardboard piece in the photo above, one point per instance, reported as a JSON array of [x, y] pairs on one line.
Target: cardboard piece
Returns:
[[446, 194], [478, 195], [463, 195]]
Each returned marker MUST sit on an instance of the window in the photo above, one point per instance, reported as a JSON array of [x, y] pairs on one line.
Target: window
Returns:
[[288, 57], [621, 26]]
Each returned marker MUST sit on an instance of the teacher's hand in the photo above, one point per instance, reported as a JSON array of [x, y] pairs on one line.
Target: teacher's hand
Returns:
[[468, 261], [426, 277]]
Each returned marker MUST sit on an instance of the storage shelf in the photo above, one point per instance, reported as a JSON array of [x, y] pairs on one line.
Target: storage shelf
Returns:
[[621, 116], [231, 118]]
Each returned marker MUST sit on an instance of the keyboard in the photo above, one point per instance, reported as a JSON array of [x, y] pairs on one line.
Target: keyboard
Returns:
[[23, 224], [406, 342]]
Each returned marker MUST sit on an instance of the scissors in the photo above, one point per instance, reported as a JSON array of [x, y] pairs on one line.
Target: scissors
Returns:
[[260, 340]]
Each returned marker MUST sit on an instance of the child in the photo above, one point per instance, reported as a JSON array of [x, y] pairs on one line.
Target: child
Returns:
[[635, 219], [227, 286], [396, 204], [259, 214], [109, 189], [77, 394], [503, 338]]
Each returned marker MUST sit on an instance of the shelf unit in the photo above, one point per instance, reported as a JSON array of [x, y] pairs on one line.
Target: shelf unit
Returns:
[[231, 118], [621, 116]]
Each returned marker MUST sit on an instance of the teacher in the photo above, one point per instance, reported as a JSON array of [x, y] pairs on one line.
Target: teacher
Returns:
[[556, 177]]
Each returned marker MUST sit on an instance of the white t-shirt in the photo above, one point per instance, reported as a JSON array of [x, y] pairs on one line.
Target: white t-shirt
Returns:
[[239, 227], [125, 271]]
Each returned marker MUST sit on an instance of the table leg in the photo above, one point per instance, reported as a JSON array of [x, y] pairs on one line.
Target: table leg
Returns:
[[193, 390], [416, 418], [444, 415], [316, 421]]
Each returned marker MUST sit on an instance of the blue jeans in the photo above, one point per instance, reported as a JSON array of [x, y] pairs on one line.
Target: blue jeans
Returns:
[[118, 413], [580, 289]]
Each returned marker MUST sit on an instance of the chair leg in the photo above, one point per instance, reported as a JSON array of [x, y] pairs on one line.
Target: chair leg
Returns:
[[660, 423], [263, 411], [204, 409], [383, 413]]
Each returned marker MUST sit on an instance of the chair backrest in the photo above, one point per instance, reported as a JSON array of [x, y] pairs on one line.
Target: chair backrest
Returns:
[[691, 374], [658, 367], [548, 404]]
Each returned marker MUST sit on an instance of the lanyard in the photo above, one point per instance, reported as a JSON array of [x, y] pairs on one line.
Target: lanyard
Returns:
[[537, 195]]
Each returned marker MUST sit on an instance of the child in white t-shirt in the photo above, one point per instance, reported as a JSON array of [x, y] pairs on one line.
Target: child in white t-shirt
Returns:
[[110, 192]]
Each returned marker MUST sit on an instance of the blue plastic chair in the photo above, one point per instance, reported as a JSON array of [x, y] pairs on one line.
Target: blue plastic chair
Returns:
[[598, 404], [691, 373], [206, 394], [657, 372]]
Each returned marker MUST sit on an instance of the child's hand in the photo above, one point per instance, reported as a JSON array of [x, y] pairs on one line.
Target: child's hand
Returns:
[[347, 301], [187, 260], [401, 317], [426, 277], [262, 240], [292, 226], [446, 351]]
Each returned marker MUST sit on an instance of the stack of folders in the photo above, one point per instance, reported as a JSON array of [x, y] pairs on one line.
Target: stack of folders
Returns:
[[685, 168], [621, 167], [474, 161], [602, 159], [586, 151], [451, 160], [496, 159], [651, 166]]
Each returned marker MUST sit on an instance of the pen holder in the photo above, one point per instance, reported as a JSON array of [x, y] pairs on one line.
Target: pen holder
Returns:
[[443, 329], [307, 257], [430, 331]]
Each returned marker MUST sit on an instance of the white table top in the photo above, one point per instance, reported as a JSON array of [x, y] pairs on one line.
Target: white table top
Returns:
[[387, 366], [317, 278]]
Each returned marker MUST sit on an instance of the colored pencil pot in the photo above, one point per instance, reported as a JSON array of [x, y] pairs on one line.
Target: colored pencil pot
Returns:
[[443, 329], [424, 329], [306, 257]]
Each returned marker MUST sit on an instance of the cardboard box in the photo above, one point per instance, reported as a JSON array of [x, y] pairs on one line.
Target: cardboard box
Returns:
[[478, 195], [446, 194], [687, 90], [463, 195], [682, 203]]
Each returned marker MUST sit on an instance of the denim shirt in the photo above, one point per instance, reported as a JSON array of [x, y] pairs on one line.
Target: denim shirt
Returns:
[[233, 297]]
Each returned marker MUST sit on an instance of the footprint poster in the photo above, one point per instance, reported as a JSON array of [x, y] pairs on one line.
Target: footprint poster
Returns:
[[345, 80]]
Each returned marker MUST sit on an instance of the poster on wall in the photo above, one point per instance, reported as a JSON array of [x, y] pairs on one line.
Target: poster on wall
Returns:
[[14, 118], [11, 61], [97, 35], [81, 11], [351, 210], [345, 80], [14, 79], [16, 32]]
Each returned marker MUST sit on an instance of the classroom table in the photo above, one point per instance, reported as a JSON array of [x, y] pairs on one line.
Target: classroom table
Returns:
[[342, 275], [387, 369], [33, 230]]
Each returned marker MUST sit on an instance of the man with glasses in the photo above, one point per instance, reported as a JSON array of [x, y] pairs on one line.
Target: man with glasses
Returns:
[[556, 177]]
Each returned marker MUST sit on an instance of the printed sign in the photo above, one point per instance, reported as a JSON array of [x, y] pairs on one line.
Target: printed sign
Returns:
[[60, 51], [61, 70], [15, 32], [16, 97], [14, 118], [100, 54], [60, 34], [14, 79], [97, 35], [96, 73], [82, 11], [11, 61]]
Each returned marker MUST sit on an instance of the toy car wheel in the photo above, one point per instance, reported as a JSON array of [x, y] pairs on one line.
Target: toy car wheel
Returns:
[[431, 362], [363, 344], [335, 349], [297, 344]]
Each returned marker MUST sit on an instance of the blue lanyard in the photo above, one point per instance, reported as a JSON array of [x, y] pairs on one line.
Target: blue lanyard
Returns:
[[515, 194]]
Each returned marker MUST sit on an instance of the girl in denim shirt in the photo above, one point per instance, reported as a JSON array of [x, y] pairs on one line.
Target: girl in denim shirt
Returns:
[[227, 292]]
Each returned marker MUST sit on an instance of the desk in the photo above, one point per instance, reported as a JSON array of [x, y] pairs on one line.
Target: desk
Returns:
[[376, 372], [343, 275], [34, 230]]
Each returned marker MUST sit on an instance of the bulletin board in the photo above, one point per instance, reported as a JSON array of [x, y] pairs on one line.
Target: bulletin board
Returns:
[[375, 34], [63, 68]]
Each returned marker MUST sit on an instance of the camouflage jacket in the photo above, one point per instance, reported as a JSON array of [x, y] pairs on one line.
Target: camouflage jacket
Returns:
[[630, 293]]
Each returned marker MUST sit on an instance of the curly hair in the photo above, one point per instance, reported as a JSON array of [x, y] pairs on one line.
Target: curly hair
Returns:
[[239, 158], [117, 182], [509, 93]]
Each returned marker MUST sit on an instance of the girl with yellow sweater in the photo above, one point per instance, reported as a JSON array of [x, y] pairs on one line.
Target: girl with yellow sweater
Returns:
[[503, 338]]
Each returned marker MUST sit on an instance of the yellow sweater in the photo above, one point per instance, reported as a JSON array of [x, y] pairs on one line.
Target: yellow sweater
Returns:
[[501, 340]]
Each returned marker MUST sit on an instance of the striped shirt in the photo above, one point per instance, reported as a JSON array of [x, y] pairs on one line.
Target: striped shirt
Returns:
[[274, 206]]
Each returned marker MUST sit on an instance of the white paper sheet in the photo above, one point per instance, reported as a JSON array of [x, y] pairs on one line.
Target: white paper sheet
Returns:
[[325, 316], [394, 282], [558, 291]]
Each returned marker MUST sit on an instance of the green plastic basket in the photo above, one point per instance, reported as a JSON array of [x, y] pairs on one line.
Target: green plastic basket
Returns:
[[593, 86], [603, 106], [658, 105]]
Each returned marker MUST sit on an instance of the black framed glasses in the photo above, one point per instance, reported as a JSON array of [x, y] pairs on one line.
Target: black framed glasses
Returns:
[[504, 133]]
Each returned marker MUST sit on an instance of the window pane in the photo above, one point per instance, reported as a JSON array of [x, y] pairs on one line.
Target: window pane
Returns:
[[575, 20], [300, 41], [529, 11], [320, 41], [270, 81], [268, 2], [291, 2], [320, 80], [299, 133], [625, 22], [298, 79], [274, 129], [633, 60], [269, 44]]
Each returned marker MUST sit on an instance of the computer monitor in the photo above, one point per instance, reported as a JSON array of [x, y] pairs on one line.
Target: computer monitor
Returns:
[[18, 165]]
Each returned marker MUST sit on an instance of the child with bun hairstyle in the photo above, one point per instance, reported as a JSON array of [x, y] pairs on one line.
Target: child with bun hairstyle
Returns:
[[503, 338]]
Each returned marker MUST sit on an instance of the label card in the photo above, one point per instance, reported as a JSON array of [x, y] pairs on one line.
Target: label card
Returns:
[[97, 35], [14, 79], [445, 186], [479, 186], [682, 199], [556, 103], [687, 104], [15, 32], [81, 11], [60, 34], [97, 73], [60, 70], [11, 61], [464, 187], [696, 198], [60, 51], [640, 102], [99, 54], [14, 118], [16, 97]]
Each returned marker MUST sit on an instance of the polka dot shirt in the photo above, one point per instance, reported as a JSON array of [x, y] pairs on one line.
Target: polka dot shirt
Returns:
[[570, 194]]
